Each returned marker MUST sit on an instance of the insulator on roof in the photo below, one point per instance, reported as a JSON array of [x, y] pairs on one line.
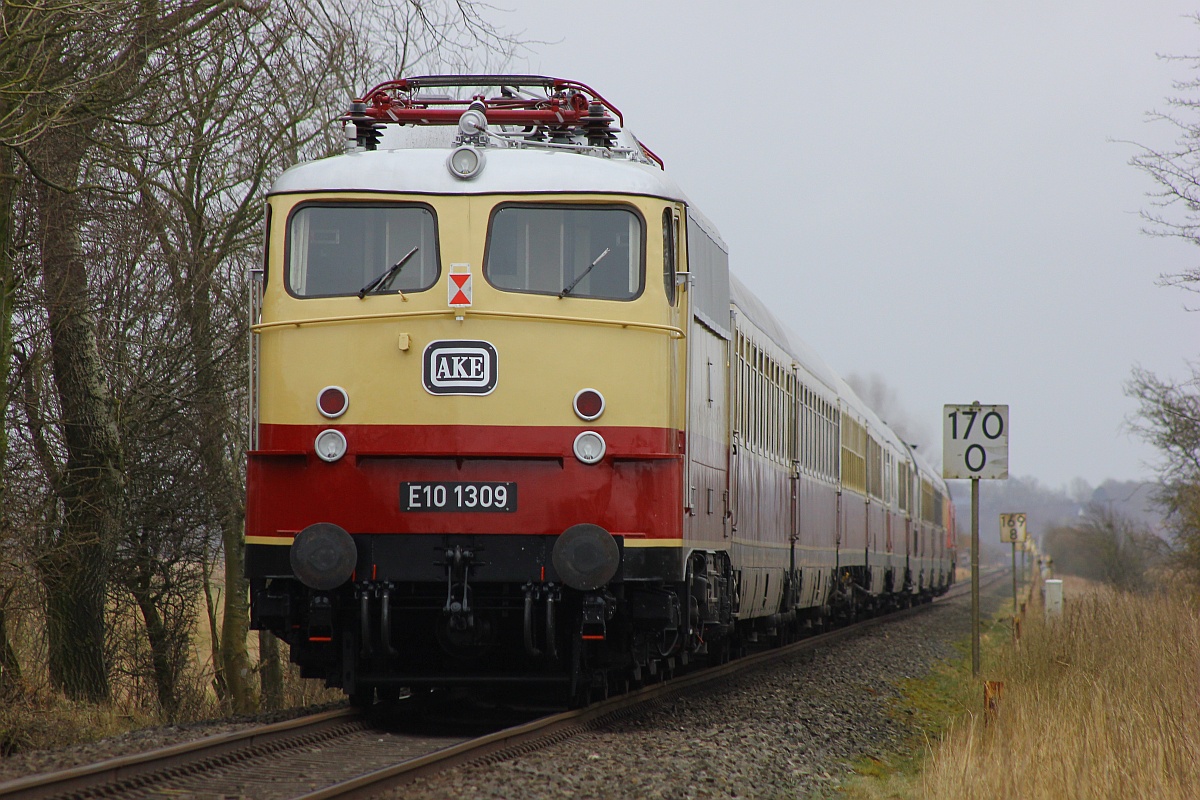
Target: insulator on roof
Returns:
[[369, 134], [560, 135], [367, 131], [598, 126]]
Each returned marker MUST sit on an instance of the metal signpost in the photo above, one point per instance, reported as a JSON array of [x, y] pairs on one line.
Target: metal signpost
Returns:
[[1012, 530], [975, 447]]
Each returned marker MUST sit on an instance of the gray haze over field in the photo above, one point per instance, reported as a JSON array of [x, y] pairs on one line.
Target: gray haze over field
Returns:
[[927, 192]]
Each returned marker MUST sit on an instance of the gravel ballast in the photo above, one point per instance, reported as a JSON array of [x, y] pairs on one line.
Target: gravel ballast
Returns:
[[787, 730]]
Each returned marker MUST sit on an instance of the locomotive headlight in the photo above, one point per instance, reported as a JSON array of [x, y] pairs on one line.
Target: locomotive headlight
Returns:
[[589, 447], [331, 445], [465, 162]]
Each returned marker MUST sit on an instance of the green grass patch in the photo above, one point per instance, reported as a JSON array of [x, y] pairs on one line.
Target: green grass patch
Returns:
[[927, 708]]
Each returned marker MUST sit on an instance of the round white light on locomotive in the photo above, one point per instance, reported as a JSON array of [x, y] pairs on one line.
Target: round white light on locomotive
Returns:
[[588, 404], [332, 401], [331, 445], [465, 162], [589, 447]]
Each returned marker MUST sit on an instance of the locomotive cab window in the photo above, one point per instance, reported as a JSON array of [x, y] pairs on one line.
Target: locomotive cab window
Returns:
[[576, 251], [670, 249], [340, 249]]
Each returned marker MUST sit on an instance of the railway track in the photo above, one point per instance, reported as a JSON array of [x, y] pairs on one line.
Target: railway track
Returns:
[[345, 754]]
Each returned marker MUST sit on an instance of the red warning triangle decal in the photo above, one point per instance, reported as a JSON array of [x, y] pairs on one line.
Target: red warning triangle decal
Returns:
[[460, 289]]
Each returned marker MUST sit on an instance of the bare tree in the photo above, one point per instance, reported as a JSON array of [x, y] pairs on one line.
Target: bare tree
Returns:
[[148, 132], [1168, 415], [1175, 170], [199, 177], [10, 668], [1106, 545], [884, 401], [201, 188], [88, 63]]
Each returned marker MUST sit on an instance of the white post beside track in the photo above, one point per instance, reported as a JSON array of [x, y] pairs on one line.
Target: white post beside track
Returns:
[[975, 577], [1053, 598]]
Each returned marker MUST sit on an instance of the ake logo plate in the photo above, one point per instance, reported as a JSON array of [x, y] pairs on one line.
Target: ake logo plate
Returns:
[[459, 366]]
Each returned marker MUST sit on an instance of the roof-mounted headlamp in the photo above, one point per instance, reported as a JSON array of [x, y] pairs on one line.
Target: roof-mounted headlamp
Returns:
[[466, 160]]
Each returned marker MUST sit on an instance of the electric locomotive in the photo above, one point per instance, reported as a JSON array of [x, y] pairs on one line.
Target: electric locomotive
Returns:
[[513, 422]]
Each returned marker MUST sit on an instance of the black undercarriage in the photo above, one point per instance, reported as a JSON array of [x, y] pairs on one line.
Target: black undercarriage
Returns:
[[437, 612]]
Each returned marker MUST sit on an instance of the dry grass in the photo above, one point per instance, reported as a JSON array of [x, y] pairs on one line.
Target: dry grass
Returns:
[[40, 718], [1104, 703]]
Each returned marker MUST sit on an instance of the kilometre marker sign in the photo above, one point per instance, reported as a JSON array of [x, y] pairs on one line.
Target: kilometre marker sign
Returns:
[[975, 441], [1012, 528]]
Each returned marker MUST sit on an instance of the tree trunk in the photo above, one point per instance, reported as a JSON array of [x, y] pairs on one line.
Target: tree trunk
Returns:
[[164, 656], [214, 636], [271, 671], [75, 570], [10, 668], [235, 626], [226, 487]]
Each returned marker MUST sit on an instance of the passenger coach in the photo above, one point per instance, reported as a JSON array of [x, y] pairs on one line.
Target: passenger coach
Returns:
[[514, 422]]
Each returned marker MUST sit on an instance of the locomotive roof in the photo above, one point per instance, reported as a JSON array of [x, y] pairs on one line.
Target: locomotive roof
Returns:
[[506, 171]]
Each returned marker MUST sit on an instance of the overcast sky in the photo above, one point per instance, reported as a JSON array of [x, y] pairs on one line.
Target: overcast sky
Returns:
[[928, 191]]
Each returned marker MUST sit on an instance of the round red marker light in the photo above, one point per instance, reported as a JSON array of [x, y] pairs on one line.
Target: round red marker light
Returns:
[[589, 404], [332, 401]]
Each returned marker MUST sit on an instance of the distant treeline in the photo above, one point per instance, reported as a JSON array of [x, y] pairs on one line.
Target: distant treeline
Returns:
[[1048, 508]]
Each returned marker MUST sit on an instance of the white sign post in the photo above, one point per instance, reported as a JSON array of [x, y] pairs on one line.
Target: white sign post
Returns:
[[975, 442], [975, 447]]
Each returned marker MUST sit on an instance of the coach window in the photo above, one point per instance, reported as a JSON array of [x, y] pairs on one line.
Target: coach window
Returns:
[[576, 251], [338, 249]]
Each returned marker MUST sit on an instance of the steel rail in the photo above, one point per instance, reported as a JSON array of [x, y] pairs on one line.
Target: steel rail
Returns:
[[559, 727], [124, 768]]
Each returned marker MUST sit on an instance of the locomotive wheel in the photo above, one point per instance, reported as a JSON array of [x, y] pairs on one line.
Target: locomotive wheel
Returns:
[[598, 693], [719, 654], [362, 698], [584, 693]]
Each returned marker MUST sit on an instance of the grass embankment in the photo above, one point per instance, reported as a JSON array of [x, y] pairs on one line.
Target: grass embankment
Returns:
[[1102, 703], [38, 717], [42, 719]]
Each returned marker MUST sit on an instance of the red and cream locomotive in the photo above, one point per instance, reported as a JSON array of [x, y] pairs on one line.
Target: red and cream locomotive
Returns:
[[515, 423]]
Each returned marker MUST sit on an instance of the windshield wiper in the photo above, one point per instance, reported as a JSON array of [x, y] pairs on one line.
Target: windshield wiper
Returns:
[[388, 275], [583, 274]]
